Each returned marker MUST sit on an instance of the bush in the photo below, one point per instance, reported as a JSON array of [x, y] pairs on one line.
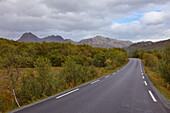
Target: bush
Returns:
[[35, 87], [151, 61], [99, 60], [75, 74], [165, 64]]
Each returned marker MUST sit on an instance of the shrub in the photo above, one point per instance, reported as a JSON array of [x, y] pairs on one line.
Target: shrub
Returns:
[[151, 61]]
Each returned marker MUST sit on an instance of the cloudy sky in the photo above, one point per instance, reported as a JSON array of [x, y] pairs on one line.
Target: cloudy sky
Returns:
[[134, 20]]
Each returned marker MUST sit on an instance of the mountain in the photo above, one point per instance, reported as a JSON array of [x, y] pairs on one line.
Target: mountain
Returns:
[[29, 37], [148, 45], [53, 38], [100, 41]]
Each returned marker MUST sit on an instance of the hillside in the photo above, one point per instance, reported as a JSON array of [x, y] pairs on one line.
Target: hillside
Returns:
[[147, 45]]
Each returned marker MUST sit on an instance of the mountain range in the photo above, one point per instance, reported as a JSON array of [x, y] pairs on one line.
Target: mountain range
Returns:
[[29, 37], [98, 41]]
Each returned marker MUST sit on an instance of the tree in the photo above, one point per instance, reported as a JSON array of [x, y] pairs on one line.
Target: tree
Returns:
[[99, 60], [136, 54], [158, 54], [77, 73], [151, 61], [44, 78], [55, 57], [165, 64], [11, 63], [142, 53], [29, 90]]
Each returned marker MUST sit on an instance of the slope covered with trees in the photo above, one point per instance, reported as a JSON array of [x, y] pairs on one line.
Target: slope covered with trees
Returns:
[[33, 71]]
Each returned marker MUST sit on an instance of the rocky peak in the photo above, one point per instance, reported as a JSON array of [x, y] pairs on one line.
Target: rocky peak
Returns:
[[100, 41], [53, 38], [28, 37]]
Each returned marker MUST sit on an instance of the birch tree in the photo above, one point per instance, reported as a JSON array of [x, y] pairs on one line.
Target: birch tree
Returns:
[[10, 64]]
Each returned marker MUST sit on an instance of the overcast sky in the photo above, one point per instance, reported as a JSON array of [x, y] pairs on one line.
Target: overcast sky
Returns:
[[134, 20]]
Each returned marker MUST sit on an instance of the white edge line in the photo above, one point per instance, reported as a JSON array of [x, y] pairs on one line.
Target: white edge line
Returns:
[[153, 98], [67, 93], [95, 81], [107, 76], [145, 83]]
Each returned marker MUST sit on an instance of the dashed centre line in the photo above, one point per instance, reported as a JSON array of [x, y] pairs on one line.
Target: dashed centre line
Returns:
[[143, 77], [145, 83], [67, 93], [153, 98]]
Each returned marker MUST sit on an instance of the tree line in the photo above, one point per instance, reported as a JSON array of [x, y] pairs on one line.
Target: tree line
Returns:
[[26, 69]]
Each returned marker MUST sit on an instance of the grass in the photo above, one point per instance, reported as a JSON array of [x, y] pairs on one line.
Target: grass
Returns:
[[159, 83]]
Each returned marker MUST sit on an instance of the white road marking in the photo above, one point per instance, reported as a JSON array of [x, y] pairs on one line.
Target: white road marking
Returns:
[[95, 81], [153, 98], [143, 77], [67, 93], [145, 83], [107, 76], [142, 73]]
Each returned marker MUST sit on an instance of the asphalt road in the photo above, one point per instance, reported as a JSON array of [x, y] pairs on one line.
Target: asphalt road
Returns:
[[125, 91]]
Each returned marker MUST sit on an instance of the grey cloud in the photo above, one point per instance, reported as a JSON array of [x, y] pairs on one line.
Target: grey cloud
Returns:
[[74, 19]]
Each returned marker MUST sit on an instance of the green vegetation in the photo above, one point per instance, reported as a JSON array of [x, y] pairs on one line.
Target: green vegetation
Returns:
[[157, 66], [33, 71], [158, 82]]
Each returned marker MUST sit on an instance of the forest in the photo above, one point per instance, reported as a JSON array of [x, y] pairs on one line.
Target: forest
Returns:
[[33, 71]]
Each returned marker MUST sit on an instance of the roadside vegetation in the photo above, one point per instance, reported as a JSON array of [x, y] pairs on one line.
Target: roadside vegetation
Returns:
[[32, 71], [157, 66]]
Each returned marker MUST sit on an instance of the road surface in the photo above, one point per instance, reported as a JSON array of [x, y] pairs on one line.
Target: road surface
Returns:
[[125, 91]]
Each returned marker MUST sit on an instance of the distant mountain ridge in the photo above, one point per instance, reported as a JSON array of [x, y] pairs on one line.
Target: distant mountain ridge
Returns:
[[98, 41], [148, 45], [29, 37]]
